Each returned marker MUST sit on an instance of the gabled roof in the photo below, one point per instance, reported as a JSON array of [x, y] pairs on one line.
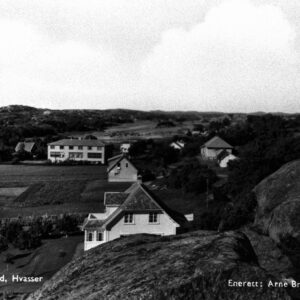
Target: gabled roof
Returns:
[[75, 142], [114, 198], [216, 142], [26, 146], [177, 143], [222, 155], [140, 198], [92, 223], [113, 161]]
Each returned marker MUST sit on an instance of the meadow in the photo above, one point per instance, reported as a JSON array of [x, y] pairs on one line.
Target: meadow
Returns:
[[37, 190], [140, 129]]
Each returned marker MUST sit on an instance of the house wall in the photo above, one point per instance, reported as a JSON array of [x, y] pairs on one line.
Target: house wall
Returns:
[[224, 162], [82, 154], [91, 244], [210, 153], [126, 174], [165, 226]]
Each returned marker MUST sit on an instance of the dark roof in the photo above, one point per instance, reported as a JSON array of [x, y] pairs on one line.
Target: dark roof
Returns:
[[216, 142], [222, 155], [115, 157], [176, 216], [140, 198], [26, 146], [114, 198], [112, 162], [75, 142], [92, 224]]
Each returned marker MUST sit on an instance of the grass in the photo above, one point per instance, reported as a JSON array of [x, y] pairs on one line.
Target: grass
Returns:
[[53, 189], [138, 130], [43, 261]]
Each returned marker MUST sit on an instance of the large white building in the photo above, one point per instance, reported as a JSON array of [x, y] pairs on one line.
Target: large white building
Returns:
[[137, 210], [79, 150]]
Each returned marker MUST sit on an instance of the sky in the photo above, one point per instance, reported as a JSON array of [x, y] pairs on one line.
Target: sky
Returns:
[[204, 55]]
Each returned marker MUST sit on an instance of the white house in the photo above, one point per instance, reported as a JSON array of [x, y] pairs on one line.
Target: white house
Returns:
[[213, 147], [121, 169], [178, 145], [124, 147], [137, 210], [78, 150], [224, 157]]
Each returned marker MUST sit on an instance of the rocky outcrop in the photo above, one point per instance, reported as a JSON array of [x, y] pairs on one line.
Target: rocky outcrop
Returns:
[[269, 256], [196, 265], [278, 208]]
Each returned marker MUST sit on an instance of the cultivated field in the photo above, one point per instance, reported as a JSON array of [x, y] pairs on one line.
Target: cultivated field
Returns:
[[28, 190], [38, 190], [137, 130]]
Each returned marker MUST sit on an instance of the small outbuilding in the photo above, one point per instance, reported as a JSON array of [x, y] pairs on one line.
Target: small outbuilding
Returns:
[[121, 169], [212, 148], [224, 157]]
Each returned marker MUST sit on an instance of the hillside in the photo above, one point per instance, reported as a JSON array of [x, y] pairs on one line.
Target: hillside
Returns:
[[196, 265]]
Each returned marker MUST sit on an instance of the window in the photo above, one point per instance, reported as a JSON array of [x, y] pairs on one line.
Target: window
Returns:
[[52, 147], [99, 148], [153, 217], [94, 155], [73, 155], [56, 154], [90, 148], [99, 236], [71, 147], [126, 165], [80, 147], [61, 147], [89, 236], [128, 218]]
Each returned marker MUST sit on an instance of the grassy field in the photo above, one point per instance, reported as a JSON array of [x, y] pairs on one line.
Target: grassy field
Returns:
[[137, 130], [38, 190], [28, 190], [43, 261]]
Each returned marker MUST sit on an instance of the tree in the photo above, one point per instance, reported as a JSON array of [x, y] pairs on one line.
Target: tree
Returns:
[[192, 177]]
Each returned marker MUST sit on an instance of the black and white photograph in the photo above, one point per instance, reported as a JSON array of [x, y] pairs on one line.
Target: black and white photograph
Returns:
[[149, 150]]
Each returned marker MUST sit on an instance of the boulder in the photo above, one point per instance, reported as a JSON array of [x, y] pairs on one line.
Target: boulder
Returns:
[[195, 265], [278, 208]]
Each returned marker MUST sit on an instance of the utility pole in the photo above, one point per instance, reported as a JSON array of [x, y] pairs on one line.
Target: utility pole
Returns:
[[207, 192]]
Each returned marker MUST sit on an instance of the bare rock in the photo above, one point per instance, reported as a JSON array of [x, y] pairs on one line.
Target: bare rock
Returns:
[[195, 265]]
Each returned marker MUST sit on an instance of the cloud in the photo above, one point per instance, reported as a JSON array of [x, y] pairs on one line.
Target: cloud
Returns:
[[205, 55], [241, 57]]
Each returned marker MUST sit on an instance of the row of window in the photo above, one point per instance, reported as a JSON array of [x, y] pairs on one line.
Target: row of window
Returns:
[[152, 218], [73, 155], [76, 147], [90, 236], [128, 219]]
